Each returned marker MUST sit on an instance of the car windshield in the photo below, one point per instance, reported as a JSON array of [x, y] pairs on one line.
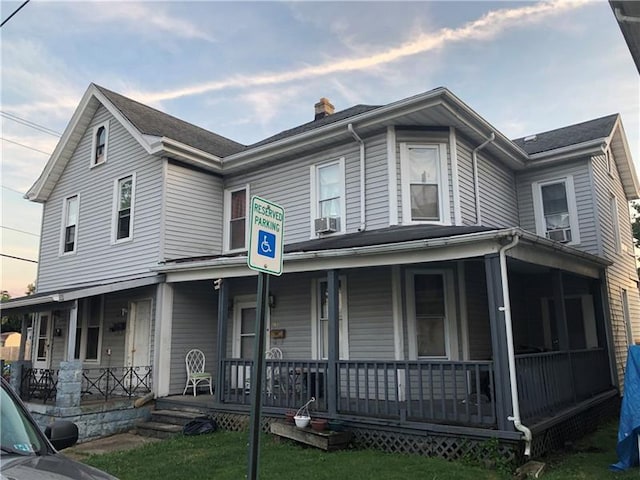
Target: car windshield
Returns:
[[17, 434]]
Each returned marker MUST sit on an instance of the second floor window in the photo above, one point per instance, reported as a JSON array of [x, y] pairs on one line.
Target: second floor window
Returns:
[[70, 230], [99, 147], [555, 210], [236, 218], [328, 197], [123, 211], [425, 196]]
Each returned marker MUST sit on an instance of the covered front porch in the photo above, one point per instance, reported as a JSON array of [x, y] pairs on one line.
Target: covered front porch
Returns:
[[419, 342]]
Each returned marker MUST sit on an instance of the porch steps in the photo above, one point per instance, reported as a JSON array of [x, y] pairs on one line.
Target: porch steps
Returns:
[[165, 423]]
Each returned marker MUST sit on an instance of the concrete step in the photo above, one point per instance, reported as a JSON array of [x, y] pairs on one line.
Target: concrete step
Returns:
[[158, 430], [174, 417]]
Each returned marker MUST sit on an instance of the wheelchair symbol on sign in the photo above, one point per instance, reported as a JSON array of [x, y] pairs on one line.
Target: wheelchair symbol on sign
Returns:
[[266, 244]]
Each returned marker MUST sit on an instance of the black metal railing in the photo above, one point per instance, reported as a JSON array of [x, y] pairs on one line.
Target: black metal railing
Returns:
[[432, 391], [551, 381], [108, 382], [39, 384], [287, 383]]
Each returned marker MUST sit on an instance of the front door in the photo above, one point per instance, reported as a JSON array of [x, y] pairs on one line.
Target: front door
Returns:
[[138, 334], [43, 341]]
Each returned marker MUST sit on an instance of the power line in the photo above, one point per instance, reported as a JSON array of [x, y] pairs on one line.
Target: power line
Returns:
[[29, 123], [16, 11], [18, 258], [19, 231], [25, 146]]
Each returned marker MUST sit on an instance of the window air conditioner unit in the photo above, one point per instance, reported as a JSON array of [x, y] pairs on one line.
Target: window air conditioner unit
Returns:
[[326, 224], [562, 235]]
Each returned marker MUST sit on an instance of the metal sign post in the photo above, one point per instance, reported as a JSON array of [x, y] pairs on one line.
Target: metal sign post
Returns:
[[264, 255]]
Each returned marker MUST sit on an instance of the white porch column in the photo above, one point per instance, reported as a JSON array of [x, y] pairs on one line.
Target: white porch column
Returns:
[[73, 326], [162, 343]]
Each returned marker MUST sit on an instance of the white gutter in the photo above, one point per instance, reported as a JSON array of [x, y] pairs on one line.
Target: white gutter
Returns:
[[621, 17], [515, 402], [363, 220], [476, 181]]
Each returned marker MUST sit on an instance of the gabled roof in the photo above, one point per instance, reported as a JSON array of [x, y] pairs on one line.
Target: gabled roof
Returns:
[[597, 129], [150, 121]]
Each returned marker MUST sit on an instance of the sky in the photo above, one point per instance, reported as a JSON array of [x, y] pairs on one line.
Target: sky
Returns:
[[248, 70]]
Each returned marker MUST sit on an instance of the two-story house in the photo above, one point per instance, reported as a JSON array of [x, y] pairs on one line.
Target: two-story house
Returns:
[[441, 282]]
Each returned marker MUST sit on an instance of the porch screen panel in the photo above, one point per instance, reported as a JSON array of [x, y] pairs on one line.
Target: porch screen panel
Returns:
[[430, 315]]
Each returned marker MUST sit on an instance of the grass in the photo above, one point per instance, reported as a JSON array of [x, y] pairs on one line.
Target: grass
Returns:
[[223, 456]]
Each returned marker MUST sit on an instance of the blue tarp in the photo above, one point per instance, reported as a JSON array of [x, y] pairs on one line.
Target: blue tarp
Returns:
[[629, 429]]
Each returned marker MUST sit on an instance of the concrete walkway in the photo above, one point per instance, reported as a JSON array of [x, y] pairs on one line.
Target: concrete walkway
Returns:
[[114, 443]]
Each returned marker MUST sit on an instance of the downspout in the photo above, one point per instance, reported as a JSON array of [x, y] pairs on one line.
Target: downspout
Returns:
[[363, 224], [476, 182], [515, 400]]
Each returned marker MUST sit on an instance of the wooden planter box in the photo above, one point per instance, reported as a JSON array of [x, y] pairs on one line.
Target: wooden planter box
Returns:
[[326, 440]]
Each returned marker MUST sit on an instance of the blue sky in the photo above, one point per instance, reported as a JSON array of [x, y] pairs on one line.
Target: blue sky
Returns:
[[247, 70]]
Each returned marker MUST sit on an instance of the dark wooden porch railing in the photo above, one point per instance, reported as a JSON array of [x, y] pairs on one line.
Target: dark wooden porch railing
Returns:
[[105, 383], [550, 381], [288, 383], [433, 391]]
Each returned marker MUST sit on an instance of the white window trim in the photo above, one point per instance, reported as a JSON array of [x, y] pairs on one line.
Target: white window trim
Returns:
[[451, 327], [114, 213], [444, 212], [84, 330], [538, 209], [615, 223], [609, 161], [314, 196], [92, 163], [315, 319], [227, 218], [240, 302], [63, 228]]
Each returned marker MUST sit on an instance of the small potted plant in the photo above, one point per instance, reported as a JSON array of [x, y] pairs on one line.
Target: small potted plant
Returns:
[[319, 424], [289, 414]]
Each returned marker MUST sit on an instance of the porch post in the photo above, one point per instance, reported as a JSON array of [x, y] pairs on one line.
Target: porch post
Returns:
[[502, 382], [333, 354], [23, 337], [73, 328], [162, 345], [603, 324], [221, 341], [561, 322]]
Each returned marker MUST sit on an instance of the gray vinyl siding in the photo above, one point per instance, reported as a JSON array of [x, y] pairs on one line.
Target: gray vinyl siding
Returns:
[[497, 182], [194, 326], [583, 190], [370, 314], [96, 258], [193, 213], [622, 274], [288, 184]]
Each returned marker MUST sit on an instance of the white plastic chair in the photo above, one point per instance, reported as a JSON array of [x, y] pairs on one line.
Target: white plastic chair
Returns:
[[195, 371], [273, 373]]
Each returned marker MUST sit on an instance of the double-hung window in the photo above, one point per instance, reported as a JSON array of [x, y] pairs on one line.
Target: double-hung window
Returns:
[[236, 218], [328, 209], [70, 224], [124, 200], [555, 210], [89, 329], [99, 144], [425, 193], [322, 325]]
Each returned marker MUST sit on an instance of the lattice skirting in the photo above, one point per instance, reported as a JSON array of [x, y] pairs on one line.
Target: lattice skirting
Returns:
[[555, 437]]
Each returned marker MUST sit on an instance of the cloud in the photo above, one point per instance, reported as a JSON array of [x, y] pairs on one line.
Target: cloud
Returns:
[[486, 27]]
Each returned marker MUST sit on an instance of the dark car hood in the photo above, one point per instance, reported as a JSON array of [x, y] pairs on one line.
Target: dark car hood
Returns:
[[48, 467]]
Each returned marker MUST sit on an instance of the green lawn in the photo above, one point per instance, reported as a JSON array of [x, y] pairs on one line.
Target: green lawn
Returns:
[[223, 455]]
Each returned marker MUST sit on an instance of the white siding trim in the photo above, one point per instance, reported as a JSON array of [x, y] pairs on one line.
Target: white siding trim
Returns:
[[104, 124], [443, 184], [392, 181], [615, 222], [226, 231], [457, 212], [396, 304], [314, 197], [314, 319], [163, 209], [538, 209], [162, 341], [114, 213]]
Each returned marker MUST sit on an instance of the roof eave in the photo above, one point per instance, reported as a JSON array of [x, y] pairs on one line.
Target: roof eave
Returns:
[[624, 162], [569, 152], [186, 153]]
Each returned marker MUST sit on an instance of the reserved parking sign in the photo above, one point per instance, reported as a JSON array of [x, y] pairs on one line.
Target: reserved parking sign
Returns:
[[266, 236]]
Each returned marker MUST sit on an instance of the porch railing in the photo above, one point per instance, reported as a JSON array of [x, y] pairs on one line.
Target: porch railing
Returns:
[[105, 383], [39, 384], [288, 383], [550, 381], [434, 391]]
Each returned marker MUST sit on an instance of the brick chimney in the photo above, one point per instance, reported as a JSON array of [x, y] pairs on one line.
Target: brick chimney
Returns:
[[323, 108]]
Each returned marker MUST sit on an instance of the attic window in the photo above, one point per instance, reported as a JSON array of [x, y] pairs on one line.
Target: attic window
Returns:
[[99, 146]]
